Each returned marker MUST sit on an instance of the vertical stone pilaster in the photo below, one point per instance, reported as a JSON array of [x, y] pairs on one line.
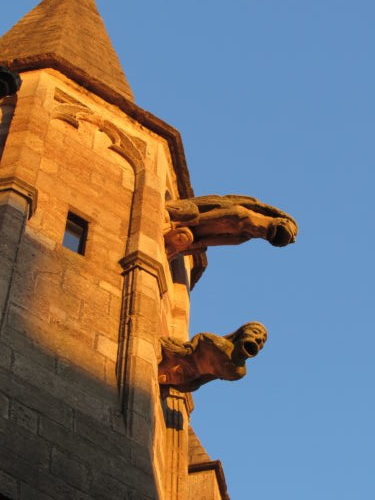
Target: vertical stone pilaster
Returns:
[[137, 364], [17, 204], [177, 408], [138, 343], [25, 141]]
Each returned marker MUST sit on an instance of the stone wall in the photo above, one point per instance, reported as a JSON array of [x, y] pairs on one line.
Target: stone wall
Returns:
[[81, 414]]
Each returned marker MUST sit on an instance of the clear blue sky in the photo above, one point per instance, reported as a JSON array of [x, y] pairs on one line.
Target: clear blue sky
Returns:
[[275, 99]]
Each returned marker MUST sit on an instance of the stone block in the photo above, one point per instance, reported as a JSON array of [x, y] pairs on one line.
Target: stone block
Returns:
[[60, 388], [86, 288], [21, 344], [146, 351], [24, 445], [16, 466], [101, 436], [24, 416], [59, 490], [4, 406], [70, 470], [105, 487], [5, 356], [116, 291], [111, 377], [36, 398], [78, 379], [141, 457], [93, 318], [117, 421], [8, 486], [29, 493], [107, 347], [94, 455]]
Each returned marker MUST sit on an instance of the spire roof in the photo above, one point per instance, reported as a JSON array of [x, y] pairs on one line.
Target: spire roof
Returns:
[[70, 36]]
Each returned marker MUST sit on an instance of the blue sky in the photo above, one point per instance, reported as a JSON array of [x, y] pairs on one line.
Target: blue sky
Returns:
[[275, 99]]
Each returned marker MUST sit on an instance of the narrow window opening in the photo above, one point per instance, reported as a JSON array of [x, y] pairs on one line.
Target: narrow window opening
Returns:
[[75, 233]]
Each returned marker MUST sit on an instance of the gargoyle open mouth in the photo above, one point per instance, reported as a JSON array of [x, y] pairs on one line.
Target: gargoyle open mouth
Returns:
[[280, 235], [251, 348]]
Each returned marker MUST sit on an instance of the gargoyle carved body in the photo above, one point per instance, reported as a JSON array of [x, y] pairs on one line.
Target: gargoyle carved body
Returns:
[[188, 365], [196, 223]]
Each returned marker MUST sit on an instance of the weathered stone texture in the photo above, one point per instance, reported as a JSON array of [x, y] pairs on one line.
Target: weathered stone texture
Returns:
[[81, 415], [203, 485], [64, 435]]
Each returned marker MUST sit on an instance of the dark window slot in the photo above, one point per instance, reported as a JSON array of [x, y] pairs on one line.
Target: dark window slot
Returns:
[[75, 233]]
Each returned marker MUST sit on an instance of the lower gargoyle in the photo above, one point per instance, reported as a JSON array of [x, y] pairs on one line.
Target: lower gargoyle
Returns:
[[196, 223], [188, 365]]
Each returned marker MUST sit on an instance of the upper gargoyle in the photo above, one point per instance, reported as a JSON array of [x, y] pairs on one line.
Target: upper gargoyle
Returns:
[[188, 365], [196, 223]]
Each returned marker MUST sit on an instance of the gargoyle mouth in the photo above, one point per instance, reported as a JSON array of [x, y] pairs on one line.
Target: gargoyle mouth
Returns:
[[251, 349], [280, 236]]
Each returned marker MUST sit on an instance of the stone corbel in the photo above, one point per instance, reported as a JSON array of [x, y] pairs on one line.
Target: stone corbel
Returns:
[[188, 365], [23, 189]]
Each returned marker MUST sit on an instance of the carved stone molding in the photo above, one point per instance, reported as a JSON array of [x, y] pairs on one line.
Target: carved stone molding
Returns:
[[22, 188], [140, 260], [185, 397], [131, 148]]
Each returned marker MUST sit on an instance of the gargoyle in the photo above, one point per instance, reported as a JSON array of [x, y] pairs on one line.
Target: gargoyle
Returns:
[[197, 223], [188, 365]]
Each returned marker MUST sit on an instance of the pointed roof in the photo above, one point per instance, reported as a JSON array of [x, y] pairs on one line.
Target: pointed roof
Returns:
[[70, 36]]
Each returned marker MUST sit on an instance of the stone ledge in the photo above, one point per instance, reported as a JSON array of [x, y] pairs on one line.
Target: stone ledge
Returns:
[[216, 466], [23, 189], [143, 261]]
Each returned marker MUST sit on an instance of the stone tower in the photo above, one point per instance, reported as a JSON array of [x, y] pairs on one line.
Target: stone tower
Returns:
[[98, 253], [81, 164]]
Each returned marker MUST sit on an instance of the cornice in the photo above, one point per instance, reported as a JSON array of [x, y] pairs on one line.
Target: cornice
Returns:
[[23, 189], [140, 260]]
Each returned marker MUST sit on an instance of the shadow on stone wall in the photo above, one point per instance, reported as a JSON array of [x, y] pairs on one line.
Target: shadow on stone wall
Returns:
[[61, 429]]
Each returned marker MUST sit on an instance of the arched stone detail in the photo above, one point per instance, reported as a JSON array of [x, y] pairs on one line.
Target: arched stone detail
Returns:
[[70, 113], [124, 145], [130, 148]]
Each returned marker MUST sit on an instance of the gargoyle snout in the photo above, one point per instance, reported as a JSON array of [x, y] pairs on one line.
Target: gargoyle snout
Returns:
[[282, 233]]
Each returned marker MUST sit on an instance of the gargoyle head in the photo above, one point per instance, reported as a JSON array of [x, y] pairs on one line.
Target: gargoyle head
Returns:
[[282, 232], [248, 340]]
